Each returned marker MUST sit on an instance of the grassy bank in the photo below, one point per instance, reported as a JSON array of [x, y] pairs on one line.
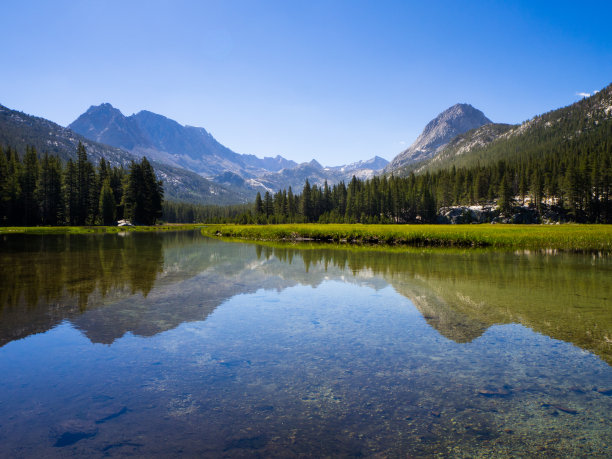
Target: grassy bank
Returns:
[[561, 237], [91, 229]]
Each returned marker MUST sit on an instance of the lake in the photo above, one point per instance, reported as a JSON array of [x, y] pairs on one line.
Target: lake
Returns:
[[177, 345]]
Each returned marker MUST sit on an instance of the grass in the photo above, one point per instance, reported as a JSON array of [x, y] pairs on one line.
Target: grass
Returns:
[[92, 229], [570, 237]]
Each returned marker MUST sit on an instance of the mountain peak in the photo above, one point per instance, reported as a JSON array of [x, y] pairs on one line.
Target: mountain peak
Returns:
[[453, 121], [104, 107], [103, 110], [315, 163], [106, 124]]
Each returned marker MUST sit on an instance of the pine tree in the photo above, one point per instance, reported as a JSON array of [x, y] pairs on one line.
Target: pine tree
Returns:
[[117, 175], [85, 179], [259, 210], [28, 181], [505, 194], [291, 207], [107, 208], [268, 204], [71, 193], [537, 188], [306, 203], [154, 192], [143, 195], [49, 191], [5, 194], [14, 188]]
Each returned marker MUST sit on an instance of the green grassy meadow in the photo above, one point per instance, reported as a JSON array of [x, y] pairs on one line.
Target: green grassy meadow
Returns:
[[568, 237]]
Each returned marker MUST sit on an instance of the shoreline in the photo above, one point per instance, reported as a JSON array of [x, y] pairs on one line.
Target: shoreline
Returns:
[[570, 237], [95, 229]]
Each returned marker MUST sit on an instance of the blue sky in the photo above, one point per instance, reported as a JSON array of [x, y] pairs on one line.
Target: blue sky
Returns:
[[338, 81]]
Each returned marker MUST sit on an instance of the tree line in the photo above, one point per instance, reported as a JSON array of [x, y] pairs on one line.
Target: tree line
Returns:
[[41, 190], [577, 186]]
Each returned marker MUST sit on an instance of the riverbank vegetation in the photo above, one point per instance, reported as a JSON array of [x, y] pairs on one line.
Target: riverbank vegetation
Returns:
[[537, 237]]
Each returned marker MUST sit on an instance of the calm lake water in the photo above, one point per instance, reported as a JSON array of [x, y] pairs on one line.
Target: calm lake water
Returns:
[[177, 345]]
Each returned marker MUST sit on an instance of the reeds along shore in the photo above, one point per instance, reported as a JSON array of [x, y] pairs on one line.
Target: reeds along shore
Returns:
[[560, 237]]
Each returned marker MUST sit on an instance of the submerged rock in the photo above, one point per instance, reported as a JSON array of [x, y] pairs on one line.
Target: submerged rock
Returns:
[[247, 443], [560, 408], [604, 390], [72, 431], [496, 392]]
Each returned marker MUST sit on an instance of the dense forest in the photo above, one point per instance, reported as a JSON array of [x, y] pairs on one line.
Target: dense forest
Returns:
[[547, 170], [576, 185], [558, 163], [44, 191]]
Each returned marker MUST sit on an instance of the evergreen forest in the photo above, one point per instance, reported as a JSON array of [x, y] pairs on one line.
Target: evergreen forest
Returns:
[[41, 190], [577, 186]]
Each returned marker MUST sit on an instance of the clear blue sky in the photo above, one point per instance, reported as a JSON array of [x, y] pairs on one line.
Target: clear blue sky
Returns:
[[337, 81]]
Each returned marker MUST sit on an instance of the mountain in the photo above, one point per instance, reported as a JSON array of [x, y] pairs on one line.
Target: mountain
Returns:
[[105, 124], [160, 138], [453, 121], [193, 148], [465, 143], [296, 177], [363, 169], [20, 130], [318, 175], [584, 124]]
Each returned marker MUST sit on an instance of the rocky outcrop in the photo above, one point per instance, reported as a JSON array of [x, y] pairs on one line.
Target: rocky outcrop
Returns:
[[490, 213]]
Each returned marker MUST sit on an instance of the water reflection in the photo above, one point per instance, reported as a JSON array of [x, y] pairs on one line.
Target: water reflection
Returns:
[[260, 350], [142, 283]]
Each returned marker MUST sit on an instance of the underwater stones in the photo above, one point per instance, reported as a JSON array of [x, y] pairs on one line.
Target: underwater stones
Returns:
[[604, 390], [494, 392], [247, 443], [69, 432], [112, 416], [264, 408], [560, 408]]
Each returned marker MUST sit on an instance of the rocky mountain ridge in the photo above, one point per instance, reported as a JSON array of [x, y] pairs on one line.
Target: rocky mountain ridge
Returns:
[[163, 139], [491, 142], [453, 121], [193, 148], [20, 130]]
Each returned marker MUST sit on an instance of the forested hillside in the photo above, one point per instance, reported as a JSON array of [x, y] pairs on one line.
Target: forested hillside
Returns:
[[559, 162], [581, 127], [20, 131], [577, 187], [44, 191]]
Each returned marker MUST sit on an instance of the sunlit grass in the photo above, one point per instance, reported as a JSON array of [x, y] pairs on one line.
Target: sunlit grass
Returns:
[[562, 237]]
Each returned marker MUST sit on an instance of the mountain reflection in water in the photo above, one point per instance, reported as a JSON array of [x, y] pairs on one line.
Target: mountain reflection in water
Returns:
[[146, 283]]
